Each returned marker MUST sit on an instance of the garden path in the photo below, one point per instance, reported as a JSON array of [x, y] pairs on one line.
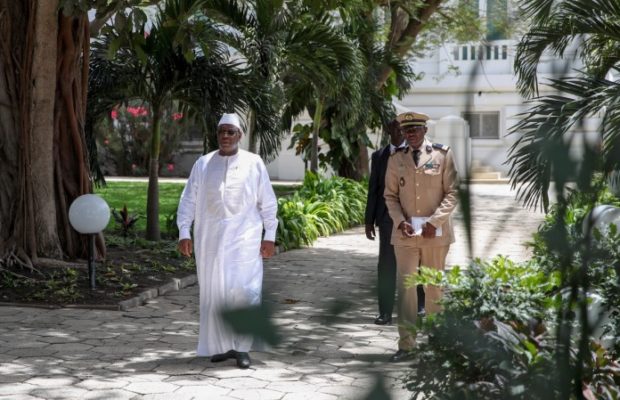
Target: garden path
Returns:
[[148, 352]]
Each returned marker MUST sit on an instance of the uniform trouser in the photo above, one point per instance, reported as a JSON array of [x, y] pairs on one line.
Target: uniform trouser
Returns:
[[408, 260], [386, 270]]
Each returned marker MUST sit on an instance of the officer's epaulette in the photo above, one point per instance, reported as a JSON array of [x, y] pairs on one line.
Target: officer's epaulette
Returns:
[[441, 146]]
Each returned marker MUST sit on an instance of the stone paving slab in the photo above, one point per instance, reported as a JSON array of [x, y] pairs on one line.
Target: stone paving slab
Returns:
[[148, 352]]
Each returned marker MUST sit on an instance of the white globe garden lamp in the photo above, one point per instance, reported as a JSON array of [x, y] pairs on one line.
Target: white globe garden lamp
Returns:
[[89, 214]]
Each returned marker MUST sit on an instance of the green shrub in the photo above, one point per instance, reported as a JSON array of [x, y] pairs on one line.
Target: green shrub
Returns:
[[499, 289], [495, 338], [530, 330], [596, 255], [319, 207]]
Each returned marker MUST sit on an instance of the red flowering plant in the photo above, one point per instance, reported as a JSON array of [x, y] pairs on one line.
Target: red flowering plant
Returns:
[[124, 139]]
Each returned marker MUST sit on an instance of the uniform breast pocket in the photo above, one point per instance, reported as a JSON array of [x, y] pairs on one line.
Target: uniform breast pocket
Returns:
[[432, 177]]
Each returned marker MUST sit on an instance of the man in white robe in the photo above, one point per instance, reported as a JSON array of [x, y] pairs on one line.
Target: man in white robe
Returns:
[[230, 200]]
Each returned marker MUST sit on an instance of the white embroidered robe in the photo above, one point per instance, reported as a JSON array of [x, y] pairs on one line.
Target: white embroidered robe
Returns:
[[230, 200]]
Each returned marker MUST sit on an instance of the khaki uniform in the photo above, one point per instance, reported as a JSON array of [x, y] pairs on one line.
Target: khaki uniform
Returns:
[[428, 190]]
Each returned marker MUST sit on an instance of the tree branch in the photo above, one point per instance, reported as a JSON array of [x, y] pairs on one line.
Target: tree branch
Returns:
[[401, 40]]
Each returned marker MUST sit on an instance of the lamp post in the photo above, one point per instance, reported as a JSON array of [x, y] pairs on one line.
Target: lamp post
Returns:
[[89, 214]]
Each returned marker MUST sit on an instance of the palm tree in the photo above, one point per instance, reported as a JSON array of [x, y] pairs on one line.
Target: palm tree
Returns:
[[302, 57], [322, 64], [551, 119], [179, 61], [385, 35], [259, 28], [347, 138]]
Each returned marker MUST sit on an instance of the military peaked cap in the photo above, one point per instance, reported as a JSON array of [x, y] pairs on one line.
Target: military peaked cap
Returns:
[[412, 118]]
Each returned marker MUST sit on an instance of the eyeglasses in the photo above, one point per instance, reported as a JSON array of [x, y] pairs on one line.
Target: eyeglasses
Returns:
[[227, 132], [412, 130]]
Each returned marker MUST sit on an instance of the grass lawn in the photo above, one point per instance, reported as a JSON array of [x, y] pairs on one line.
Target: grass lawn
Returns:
[[133, 194]]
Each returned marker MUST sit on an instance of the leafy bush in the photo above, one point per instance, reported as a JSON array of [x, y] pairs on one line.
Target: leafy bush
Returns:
[[495, 338], [319, 207], [544, 329], [499, 289], [597, 255]]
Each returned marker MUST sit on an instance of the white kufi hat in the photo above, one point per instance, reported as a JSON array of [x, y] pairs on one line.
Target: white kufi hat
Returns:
[[230, 119]]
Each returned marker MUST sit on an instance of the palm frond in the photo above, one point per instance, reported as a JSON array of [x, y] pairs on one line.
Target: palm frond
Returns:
[[594, 22], [548, 127], [536, 10]]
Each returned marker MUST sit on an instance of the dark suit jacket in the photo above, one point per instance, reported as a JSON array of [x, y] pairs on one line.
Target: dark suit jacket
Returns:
[[376, 211]]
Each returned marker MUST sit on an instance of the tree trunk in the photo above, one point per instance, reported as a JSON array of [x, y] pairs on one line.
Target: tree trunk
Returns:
[[42, 117], [350, 171], [316, 127], [70, 151], [12, 51], [152, 202], [362, 160], [42, 112], [253, 139]]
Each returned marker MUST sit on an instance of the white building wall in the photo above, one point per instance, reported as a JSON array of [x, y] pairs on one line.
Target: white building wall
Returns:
[[287, 166], [485, 82]]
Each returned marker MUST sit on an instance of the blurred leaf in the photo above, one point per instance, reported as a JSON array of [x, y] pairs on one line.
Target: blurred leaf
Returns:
[[334, 310], [255, 321], [378, 392]]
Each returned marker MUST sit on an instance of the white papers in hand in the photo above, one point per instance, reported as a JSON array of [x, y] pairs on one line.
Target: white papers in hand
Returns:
[[417, 223]]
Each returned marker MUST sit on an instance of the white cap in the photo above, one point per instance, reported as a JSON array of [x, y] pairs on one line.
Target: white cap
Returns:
[[230, 119]]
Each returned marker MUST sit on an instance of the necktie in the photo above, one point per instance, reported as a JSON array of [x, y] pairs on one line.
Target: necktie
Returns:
[[416, 157]]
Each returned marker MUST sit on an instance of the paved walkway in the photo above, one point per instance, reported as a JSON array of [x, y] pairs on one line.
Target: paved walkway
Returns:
[[148, 352]]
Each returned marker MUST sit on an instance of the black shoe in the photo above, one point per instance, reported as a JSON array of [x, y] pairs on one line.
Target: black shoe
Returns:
[[243, 360], [421, 312], [401, 355], [383, 319], [223, 356]]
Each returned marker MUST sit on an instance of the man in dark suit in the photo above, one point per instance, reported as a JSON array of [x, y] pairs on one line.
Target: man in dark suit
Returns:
[[377, 214]]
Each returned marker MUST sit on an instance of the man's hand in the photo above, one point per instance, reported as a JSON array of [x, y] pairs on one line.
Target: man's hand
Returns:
[[370, 231], [267, 248], [428, 231], [185, 247], [406, 228]]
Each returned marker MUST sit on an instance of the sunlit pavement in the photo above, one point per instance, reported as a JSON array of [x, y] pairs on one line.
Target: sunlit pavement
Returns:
[[148, 352]]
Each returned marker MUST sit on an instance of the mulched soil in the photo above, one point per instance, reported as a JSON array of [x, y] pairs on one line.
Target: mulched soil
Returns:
[[132, 265]]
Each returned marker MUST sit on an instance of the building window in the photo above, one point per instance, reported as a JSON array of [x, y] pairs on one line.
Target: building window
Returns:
[[483, 125], [497, 20]]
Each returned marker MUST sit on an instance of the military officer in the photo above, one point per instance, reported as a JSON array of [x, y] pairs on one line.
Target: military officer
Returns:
[[377, 214], [420, 181]]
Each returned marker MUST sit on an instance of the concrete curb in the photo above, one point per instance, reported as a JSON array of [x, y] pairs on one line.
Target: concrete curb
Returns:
[[112, 307], [173, 285]]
